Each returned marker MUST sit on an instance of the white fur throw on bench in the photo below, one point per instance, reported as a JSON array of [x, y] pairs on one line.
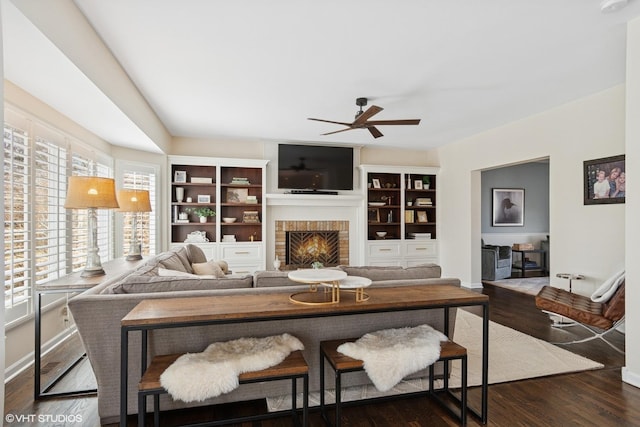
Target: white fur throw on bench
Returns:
[[200, 376], [390, 355]]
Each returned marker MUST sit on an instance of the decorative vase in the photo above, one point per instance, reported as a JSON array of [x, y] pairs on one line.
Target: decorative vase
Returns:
[[203, 219], [276, 263], [179, 194]]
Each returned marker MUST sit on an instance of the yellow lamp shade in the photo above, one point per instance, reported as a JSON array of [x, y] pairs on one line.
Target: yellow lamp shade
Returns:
[[91, 192], [134, 201]]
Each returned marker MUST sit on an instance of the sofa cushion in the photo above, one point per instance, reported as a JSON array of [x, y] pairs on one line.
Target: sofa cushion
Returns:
[[211, 268], [174, 260], [194, 253], [425, 271], [134, 284], [163, 272]]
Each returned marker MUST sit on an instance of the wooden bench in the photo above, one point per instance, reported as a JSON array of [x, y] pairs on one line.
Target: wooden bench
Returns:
[[343, 364], [293, 367]]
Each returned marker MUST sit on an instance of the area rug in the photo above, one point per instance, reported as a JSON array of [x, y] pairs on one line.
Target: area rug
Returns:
[[512, 356], [527, 285]]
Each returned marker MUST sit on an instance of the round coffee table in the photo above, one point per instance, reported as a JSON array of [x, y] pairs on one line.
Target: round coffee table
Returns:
[[355, 284], [314, 277]]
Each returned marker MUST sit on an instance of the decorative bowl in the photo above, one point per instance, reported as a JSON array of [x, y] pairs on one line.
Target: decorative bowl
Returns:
[[228, 220], [381, 233]]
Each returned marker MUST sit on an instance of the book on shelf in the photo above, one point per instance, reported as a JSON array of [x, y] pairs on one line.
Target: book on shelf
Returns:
[[240, 181], [182, 221], [251, 200], [424, 201], [420, 235]]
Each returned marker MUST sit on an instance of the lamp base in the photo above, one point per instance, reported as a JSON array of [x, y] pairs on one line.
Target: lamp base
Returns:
[[135, 251], [92, 272]]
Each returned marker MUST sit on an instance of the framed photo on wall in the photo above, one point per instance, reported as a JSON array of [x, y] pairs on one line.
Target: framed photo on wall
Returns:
[[604, 180], [508, 207]]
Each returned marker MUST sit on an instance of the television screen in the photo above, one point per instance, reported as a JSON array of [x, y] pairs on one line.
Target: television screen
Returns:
[[315, 167]]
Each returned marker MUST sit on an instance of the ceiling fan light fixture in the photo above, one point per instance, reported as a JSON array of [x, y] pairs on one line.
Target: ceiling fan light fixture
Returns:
[[608, 6]]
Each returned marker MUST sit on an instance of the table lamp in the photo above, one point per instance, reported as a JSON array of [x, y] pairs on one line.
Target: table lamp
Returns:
[[91, 193], [134, 201]]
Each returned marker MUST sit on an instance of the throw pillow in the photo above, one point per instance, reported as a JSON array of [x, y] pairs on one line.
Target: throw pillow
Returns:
[[223, 266], [208, 268]]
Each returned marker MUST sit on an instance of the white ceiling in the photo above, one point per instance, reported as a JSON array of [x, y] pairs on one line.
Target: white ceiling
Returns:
[[258, 69]]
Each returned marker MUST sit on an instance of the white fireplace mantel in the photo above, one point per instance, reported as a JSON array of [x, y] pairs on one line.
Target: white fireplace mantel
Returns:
[[282, 199]]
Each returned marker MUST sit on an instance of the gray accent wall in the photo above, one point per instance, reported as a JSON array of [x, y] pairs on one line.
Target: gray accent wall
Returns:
[[534, 178]]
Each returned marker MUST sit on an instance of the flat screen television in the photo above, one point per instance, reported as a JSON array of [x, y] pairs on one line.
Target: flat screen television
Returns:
[[313, 167]]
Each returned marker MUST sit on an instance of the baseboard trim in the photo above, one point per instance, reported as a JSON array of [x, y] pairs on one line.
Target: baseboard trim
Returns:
[[630, 377], [477, 285]]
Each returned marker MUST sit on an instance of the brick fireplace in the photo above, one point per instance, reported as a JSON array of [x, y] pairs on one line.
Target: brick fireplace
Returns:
[[327, 240]]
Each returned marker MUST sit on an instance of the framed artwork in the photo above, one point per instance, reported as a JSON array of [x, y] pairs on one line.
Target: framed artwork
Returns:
[[180, 176], [508, 207], [204, 198], [376, 183], [604, 180], [417, 184], [373, 215], [422, 216], [237, 195]]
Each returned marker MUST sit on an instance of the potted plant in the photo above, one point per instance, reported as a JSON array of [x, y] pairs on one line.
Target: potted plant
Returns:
[[203, 212], [425, 182]]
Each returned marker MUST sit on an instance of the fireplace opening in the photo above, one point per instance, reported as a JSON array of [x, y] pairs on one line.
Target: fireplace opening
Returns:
[[306, 247]]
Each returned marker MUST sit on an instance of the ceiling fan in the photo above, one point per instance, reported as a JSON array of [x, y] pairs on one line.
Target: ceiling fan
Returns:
[[362, 120]]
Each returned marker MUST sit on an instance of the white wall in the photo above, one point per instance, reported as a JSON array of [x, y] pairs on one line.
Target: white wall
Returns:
[[589, 240], [586, 129], [631, 372]]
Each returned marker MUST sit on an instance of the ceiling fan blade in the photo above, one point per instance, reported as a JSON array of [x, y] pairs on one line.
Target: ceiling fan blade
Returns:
[[394, 122], [337, 131], [374, 131], [330, 121], [371, 111]]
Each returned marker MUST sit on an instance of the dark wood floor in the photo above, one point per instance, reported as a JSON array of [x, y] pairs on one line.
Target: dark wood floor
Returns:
[[592, 398]]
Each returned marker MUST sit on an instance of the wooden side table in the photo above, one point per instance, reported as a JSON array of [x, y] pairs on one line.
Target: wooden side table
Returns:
[[72, 283], [571, 278], [523, 267]]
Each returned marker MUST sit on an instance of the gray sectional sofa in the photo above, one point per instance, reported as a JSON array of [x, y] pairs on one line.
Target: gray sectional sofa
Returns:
[[97, 313]]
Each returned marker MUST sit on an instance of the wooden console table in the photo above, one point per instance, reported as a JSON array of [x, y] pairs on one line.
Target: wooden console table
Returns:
[[224, 309], [71, 283]]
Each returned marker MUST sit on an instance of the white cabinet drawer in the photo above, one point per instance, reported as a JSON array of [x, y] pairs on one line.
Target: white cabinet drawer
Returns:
[[240, 269], [239, 253], [422, 249], [384, 249]]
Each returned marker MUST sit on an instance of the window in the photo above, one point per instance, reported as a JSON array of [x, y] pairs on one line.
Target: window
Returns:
[[136, 176], [42, 240]]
